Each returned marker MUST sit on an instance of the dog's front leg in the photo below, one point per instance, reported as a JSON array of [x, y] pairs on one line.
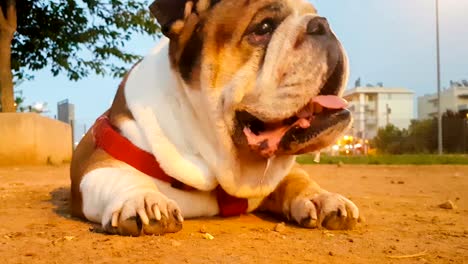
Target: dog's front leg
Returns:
[[127, 202], [300, 199]]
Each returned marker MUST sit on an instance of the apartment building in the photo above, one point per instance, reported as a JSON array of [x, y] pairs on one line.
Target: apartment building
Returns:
[[375, 107], [454, 98]]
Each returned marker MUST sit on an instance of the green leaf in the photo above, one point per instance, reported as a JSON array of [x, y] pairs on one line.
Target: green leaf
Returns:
[[78, 37]]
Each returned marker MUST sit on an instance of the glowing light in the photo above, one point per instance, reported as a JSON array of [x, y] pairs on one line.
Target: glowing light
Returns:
[[346, 137], [336, 147], [358, 145]]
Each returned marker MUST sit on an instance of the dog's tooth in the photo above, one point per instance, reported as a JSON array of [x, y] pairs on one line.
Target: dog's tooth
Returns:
[[268, 164]]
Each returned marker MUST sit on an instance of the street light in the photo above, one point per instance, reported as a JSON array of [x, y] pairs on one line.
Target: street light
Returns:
[[439, 107]]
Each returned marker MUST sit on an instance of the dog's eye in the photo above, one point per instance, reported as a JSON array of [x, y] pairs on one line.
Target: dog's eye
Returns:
[[261, 32], [265, 27]]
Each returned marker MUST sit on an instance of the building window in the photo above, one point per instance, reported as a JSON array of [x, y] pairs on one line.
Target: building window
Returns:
[[389, 96]]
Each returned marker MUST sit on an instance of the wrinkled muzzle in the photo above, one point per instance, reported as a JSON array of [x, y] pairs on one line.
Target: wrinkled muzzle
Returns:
[[296, 106]]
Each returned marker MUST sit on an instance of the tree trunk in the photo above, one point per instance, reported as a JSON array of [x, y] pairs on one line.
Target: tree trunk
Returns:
[[7, 30]]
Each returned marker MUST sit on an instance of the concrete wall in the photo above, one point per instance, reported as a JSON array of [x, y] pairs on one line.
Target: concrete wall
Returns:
[[31, 139]]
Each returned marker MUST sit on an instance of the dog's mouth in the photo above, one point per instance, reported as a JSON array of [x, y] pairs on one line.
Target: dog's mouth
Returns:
[[309, 129]]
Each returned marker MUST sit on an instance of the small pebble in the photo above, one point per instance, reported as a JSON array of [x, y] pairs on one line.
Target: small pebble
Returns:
[[280, 227], [327, 233], [176, 243], [330, 253], [208, 236], [69, 238], [203, 229], [401, 182], [448, 205]]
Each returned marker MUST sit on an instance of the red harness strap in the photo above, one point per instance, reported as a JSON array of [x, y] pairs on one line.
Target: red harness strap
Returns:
[[108, 139]]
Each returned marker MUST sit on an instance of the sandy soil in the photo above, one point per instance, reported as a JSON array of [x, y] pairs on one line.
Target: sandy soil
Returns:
[[399, 203]]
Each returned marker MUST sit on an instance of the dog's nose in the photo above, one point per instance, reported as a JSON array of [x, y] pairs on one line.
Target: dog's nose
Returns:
[[318, 26]]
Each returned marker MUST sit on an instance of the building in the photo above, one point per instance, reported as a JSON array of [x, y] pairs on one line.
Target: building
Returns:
[[454, 99], [375, 107], [65, 111]]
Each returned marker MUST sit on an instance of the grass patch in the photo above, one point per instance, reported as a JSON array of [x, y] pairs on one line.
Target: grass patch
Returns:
[[407, 159]]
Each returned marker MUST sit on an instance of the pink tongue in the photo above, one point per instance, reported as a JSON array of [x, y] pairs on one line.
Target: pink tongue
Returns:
[[330, 101], [267, 141]]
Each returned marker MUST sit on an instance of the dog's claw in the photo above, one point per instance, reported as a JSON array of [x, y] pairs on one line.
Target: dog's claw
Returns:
[[328, 210], [146, 214], [115, 219]]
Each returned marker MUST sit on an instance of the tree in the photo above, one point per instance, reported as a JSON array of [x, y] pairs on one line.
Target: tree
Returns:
[[18, 102], [390, 139], [422, 136], [7, 31], [70, 36], [455, 132]]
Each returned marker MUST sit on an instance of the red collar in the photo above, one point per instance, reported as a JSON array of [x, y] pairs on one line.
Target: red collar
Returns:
[[108, 139]]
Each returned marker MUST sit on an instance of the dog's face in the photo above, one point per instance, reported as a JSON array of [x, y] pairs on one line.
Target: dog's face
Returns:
[[268, 73]]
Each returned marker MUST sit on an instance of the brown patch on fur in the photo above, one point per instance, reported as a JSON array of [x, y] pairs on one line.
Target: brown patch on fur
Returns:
[[119, 111], [226, 47], [297, 181], [300, 39], [187, 60], [203, 5], [77, 169], [87, 158], [218, 35], [188, 9], [214, 30], [177, 27]]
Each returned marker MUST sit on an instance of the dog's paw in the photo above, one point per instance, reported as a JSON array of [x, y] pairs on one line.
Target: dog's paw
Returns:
[[150, 213], [328, 210]]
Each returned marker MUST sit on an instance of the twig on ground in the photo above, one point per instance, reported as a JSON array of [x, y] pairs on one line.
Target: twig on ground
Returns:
[[409, 256]]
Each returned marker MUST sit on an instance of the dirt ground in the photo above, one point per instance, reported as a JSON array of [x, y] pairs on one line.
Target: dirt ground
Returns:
[[402, 223]]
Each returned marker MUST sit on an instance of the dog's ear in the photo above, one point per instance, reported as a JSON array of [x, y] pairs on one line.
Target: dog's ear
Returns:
[[167, 12], [171, 14]]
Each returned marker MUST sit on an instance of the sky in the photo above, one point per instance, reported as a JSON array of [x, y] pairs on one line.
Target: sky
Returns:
[[389, 41]]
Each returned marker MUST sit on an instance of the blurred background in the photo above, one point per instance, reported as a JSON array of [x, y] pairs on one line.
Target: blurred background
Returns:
[[392, 89]]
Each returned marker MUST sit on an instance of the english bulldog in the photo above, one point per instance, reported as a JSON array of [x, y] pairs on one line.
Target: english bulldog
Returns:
[[211, 120]]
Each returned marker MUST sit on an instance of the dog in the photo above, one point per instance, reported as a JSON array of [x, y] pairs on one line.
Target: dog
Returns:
[[211, 120]]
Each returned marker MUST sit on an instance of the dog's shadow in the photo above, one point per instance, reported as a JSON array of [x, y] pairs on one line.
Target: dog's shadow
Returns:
[[60, 199]]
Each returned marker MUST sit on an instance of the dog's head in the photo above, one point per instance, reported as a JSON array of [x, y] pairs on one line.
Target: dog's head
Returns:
[[268, 73]]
